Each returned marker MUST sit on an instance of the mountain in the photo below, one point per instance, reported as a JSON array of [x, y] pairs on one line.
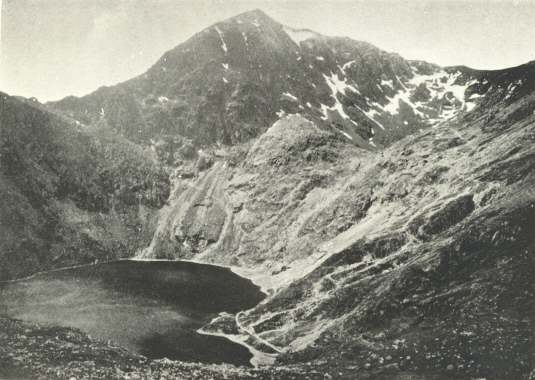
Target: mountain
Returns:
[[230, 82], [70, 194], [385, 206]]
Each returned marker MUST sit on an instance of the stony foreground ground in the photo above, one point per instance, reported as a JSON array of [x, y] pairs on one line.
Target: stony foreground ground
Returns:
[[29, 351]]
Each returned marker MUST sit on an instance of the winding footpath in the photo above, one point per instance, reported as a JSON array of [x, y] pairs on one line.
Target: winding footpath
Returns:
[[254, 335]]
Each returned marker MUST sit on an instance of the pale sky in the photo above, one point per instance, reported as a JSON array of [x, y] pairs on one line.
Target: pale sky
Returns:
[[54, 48]]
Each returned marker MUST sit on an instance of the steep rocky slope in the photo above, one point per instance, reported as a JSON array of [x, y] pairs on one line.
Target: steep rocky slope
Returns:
[[70, 194], [434, 279]]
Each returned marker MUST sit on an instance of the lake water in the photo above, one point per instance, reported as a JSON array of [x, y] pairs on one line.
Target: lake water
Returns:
[[150, 307]]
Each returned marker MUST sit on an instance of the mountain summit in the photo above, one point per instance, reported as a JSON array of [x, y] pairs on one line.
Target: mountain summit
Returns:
[[230, 82]]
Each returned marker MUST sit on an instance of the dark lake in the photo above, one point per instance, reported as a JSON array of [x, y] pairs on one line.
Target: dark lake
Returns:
[[150, 307]]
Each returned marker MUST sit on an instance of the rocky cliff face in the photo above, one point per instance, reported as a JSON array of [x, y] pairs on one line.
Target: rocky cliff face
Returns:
[[70, 194]]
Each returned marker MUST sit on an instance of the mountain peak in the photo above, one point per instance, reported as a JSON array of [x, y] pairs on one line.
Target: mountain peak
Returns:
[[255, 16], [254, 13], [229, 82], [300, 35]]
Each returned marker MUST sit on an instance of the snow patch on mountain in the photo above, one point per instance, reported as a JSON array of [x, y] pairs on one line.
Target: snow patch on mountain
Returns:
[[394, 103], [388, 83], [223, 43], [337, 107], [338, 85], [300, 35], [290, 96], [440, 86], [470, 106], [347, 135], [347, 64], [512, 87]]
